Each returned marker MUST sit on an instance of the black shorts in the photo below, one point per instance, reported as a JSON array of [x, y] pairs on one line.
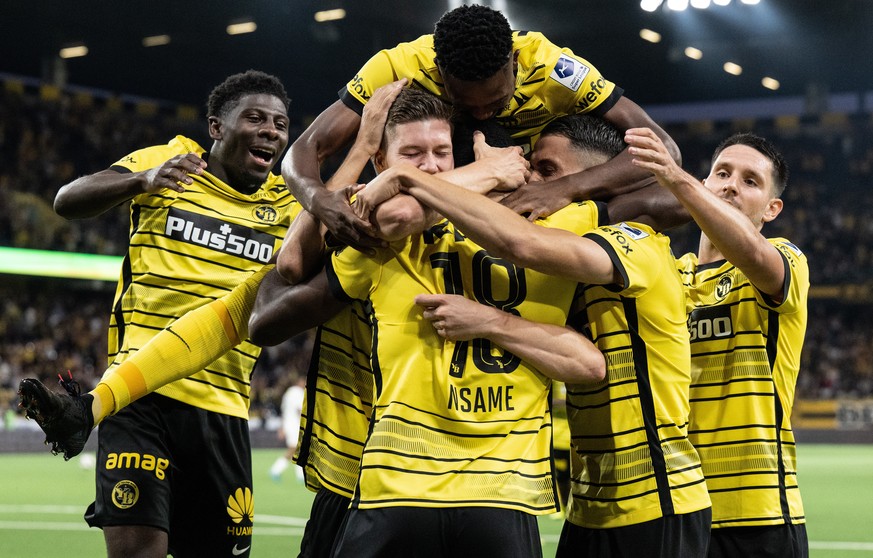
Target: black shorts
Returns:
[[165, 464], [439, 532], [777, 541], [326, 517], [675, 536]]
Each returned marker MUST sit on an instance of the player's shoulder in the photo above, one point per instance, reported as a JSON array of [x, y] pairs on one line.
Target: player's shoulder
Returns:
[[793, 255]]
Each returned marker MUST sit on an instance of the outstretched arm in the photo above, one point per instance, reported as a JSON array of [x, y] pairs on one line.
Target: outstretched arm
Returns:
[[732, 233], [504, 233], [559, 352], [331, 131], [601, 182], [91, 195], [281, 311], [398, 216]]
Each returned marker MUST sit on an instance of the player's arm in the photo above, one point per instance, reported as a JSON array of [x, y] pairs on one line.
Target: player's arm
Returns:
[[559, 352], [302, 251], [652, 205], [281, 311], [185, 347], [91, 195], [331, 131], [504, 233], [600, 182], [734, 235], [397, 216]]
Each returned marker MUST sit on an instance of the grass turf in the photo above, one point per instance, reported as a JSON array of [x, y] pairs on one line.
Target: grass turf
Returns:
[[43, 499]]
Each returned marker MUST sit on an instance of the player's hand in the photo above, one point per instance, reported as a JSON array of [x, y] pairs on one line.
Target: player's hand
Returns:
[[457, 318], [650, 153], [385, 186], [335, 213], [174, 174], [374, 116], [539, 199], [507, 164]]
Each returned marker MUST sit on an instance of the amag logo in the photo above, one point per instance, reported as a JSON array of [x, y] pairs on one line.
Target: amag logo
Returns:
[[131, 460], [219, 235]]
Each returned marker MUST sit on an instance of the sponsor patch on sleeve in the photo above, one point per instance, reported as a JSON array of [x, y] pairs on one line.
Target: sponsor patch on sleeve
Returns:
[[569, 72], [793, 248], [632, 232]]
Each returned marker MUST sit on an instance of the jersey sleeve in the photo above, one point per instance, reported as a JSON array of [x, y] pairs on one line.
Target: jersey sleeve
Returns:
[[796, 287], [414, 61], [578, 217], [574, 85], [633, 253], [353, 275], [150, 157]]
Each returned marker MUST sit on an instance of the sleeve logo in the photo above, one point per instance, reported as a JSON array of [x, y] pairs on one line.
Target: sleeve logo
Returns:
[[632, 232], [569, 72]]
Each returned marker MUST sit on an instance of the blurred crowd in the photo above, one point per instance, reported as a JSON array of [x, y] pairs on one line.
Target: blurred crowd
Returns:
[[49, 325]]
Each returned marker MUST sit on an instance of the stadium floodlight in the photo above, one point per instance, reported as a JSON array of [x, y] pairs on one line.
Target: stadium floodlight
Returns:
[[677, 5], [721, 2], [770, 83], [241, 27], [733, 68], [650, 5], [73, 51], [156, 40], [651, 36], [330, 15], [693, 53], [700, 4], [751, 2]]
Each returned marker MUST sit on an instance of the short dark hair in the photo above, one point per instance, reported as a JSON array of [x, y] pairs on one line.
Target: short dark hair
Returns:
[[587, 133], [765, 148], [225, 96], [414, 105], [472, 42]]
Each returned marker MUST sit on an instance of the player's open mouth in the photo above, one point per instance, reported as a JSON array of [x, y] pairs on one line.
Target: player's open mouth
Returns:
[[262, 155]]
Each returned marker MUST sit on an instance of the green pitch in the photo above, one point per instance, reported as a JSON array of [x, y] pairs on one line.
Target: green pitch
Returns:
[[42, 499]]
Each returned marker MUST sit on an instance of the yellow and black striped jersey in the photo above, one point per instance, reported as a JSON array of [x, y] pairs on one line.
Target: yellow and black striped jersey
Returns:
[[455, 423], [745, 356], [550, 82], [631, 459], [187, 249], [339, 402]]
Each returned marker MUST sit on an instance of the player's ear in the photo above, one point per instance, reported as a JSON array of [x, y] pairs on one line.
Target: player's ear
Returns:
[[774, 208], [214, 127], [379, 161]]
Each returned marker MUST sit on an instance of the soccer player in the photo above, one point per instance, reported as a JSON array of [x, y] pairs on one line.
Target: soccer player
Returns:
[[477, 63], [174, 468], [638, 488], [458, 456], [340, 364], [747, 319]]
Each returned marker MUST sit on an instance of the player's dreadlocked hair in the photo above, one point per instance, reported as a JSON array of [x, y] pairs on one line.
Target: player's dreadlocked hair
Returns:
[[587, 133], [227, 94], [765, 148], [472, 42], [414, 105]]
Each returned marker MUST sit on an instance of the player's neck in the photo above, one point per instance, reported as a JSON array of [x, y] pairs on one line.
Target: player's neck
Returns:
[[707, 252]]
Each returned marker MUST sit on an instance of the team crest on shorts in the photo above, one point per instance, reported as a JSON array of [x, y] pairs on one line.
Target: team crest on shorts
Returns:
[[723, 287], [125, 494]]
